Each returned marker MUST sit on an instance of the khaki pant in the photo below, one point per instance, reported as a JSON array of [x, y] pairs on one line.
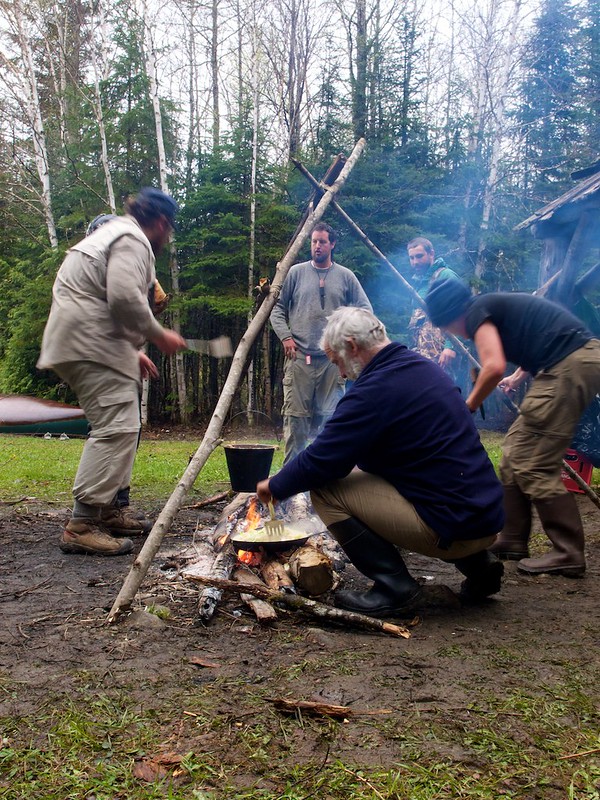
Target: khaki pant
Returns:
[[310, 394], [110, 400], [536, 442], [377, 504]]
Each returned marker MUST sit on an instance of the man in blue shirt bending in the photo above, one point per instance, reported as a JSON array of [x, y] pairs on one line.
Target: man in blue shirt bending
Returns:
[[398, 465]]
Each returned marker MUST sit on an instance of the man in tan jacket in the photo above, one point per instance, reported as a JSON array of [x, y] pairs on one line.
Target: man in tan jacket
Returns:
[[99, 319]]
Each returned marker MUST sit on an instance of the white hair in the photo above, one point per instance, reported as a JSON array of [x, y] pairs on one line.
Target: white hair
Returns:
[[349, 322]]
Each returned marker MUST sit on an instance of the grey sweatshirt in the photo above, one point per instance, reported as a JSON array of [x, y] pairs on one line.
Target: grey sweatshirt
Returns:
[[298, 311]]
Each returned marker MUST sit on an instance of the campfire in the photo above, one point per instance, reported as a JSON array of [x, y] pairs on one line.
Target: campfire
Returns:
[[288, 572], [303, 560]]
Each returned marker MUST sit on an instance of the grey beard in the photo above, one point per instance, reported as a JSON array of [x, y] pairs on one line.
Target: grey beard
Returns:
[[353, 369]]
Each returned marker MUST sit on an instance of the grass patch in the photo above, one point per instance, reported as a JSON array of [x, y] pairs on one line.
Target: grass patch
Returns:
[[45, 468], [76, 749]]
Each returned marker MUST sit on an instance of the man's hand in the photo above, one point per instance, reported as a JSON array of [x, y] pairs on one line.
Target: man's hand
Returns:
[[510, 383], [446, 357], [147, 366], [169, 342], [289, 348], [263, 492]]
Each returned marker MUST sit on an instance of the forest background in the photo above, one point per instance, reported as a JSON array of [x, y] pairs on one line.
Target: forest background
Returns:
[[475, 114]]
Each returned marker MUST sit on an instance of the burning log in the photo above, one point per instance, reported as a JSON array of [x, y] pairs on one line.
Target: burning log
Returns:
[[263, 610], [311, 570], [306, 605]]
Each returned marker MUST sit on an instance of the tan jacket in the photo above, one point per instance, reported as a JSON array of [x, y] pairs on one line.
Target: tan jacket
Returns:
[[100, 308]]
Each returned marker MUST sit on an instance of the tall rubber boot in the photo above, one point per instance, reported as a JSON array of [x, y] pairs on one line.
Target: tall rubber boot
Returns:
[[394, 590], [512, 543], [483, 572], [562, 524]]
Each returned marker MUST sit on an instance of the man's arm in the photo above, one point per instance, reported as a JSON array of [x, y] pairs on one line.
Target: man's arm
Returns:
[[493, 364]]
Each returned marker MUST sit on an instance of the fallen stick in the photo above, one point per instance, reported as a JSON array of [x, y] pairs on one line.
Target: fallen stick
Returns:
[[322, 709], [579, 755], [211, 440], [209, 500], [306, 605]]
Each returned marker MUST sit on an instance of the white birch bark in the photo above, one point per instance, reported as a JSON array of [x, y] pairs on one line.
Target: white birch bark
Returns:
[[23, 72], [97, 106], [151, 69]]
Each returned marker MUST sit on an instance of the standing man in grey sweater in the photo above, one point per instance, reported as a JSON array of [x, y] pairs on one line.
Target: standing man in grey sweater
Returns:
[[311, 292]]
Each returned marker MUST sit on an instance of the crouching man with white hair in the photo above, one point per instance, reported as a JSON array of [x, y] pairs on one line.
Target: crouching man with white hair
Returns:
[[399, 465]]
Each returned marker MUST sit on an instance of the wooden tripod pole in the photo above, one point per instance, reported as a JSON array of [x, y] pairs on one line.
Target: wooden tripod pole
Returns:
[[211, 439], [419, 300]]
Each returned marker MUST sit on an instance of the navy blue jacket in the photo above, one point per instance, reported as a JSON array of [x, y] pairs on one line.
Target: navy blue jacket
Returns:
[[404, 420]]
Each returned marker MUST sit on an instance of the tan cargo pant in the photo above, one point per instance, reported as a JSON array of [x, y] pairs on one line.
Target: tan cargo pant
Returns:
[[386, 512], [534, 446], [111, 404]]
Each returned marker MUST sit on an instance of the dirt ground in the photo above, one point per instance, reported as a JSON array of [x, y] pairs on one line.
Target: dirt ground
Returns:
[[457, 685]]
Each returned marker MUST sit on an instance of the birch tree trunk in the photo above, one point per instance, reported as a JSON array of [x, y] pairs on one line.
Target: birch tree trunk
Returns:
[[37, 124], [498, 132], [150, 57], [214, 69], [98, 111], [251, 276]]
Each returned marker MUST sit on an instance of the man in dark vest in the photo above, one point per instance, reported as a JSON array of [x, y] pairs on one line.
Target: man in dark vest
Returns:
[[546, 341]]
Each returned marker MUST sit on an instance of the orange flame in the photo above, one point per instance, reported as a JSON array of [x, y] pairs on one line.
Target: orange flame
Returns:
[[249, 558], [253, 515]]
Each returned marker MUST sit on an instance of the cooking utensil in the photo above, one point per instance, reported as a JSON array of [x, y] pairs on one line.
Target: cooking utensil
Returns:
[[217, 348], [259, 539], [274, 526]]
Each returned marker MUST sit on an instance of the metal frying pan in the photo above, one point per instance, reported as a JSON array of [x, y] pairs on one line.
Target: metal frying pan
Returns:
[[261, 539]]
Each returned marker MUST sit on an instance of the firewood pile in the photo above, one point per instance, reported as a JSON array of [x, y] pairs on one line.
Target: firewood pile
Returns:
[[268, 579]]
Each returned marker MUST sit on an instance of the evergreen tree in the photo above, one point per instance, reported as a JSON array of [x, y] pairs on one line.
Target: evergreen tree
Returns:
[[548, 114]]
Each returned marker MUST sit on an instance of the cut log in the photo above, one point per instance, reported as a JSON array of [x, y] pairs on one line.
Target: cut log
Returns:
[[275, 575], [222, 568], [263, 610], [308, 606], [311, 570]]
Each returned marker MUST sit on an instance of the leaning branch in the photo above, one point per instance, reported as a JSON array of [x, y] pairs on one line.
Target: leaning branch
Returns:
[[211, 438]]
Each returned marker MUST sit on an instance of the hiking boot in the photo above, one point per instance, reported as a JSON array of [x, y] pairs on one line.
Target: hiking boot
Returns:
[[124, 522], [86, 537]]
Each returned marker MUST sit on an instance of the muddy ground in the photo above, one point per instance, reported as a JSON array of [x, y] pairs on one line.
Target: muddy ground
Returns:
[[468, 677]]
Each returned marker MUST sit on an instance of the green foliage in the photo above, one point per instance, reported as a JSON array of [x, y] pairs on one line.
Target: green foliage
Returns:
[[25, 297]]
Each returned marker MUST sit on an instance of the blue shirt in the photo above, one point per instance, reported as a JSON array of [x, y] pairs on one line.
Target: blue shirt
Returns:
[[404, 420]]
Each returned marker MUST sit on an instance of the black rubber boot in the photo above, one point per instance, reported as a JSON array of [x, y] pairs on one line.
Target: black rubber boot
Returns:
[[483, 572], [512, 543], [394, 591]]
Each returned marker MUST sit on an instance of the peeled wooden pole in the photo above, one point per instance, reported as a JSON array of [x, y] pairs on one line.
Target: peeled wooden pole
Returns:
[[211, 439], [419, 300]]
